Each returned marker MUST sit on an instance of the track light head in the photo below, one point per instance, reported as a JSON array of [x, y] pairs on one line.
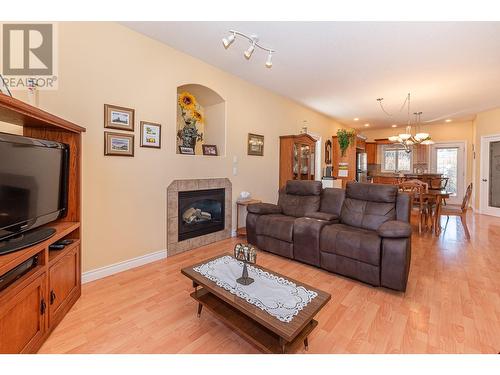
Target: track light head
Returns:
[[249, 51], [228, 40], [269, 62]]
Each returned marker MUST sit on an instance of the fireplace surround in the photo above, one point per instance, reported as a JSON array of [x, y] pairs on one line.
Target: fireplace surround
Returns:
[[201, 207]]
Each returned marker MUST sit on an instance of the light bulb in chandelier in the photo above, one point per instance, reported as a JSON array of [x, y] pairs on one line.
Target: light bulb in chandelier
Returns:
[[269, 62], [421, 136], [405, 136], [249, 51], [228, 40], [394, 138]]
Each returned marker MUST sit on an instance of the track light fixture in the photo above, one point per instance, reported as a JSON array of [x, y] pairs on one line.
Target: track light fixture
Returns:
[[269, 62], [254, 42], [229, 40], [249, 51]]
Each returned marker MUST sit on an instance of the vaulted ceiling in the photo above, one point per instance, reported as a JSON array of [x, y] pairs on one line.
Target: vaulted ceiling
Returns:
[[452, 69]]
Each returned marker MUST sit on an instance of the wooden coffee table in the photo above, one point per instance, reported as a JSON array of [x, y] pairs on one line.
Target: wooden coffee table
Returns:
[[255, 325]]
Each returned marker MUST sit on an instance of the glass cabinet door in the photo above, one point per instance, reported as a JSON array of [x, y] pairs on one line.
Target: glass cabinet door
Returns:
[[305, 154], [295, 161], [313, 166]]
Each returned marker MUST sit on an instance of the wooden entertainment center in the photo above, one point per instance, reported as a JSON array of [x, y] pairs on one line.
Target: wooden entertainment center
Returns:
[[32, 306]]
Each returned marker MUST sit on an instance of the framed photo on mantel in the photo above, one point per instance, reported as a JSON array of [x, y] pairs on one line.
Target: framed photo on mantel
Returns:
[[119, 118]]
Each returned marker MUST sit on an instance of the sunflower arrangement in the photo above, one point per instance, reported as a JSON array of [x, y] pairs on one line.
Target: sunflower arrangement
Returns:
[[191, 115]]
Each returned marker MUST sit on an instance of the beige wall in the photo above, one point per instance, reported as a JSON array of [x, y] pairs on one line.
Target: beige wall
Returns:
[[124, 199], [486, 123]]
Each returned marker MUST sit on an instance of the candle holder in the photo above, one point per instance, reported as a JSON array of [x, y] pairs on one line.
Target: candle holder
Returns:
[[247, 254]]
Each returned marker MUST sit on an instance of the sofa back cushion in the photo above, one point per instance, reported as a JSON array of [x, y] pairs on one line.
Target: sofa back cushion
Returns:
[[332, 200], [298, 187], [300, 197], [368, 206]]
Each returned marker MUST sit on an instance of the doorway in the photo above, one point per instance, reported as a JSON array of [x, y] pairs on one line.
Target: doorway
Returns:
[[490, 175], [448, 159]]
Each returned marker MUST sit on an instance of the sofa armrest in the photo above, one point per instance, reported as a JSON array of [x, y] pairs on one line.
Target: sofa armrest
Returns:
[[323, 216], [394, 229], [263, 208]]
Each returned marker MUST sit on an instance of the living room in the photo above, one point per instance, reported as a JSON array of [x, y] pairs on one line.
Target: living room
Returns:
[[176, 137]]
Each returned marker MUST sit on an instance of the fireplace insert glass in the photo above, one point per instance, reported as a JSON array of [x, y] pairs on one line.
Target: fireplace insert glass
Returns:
[[200, 212]]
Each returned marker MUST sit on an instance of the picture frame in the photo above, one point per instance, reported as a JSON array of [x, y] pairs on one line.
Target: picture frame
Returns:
[[150, 134], [210, 150], [255, 144], [118, 144], [186, 150], [120, 118]]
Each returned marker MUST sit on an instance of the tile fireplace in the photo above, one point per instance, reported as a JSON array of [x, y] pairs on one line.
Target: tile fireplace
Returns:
[[199, 212]]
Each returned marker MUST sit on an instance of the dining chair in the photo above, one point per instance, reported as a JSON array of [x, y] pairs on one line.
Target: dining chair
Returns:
[[459, 211], [417, 189]]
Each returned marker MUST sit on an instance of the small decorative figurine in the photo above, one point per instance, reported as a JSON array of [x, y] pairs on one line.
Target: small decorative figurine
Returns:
[[247, 254]]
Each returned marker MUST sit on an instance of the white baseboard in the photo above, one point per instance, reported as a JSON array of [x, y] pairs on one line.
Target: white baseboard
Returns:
[[99, 273]]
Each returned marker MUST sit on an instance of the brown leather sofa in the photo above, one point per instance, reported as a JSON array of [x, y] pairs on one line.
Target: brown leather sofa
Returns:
[[362, 232]]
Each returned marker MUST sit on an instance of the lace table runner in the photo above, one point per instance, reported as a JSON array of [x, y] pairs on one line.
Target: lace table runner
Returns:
[[276, 295]]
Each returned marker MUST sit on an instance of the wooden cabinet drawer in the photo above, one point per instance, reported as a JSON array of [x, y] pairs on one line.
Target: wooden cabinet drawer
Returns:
[[64, 281], [23, 318]]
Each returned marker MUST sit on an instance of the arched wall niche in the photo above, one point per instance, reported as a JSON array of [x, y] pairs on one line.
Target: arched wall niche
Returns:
[[201, 122]]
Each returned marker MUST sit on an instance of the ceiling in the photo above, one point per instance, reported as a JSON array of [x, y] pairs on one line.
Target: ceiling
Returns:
[[452, 69]]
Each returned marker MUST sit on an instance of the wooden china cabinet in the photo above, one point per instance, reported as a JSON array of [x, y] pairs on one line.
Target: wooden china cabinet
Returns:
[[296, 158]]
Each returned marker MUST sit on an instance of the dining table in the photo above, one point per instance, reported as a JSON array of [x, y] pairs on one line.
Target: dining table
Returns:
[[436, 197]]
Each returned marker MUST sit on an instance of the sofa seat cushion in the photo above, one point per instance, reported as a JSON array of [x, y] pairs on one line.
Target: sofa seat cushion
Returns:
[[276, 226], [351, 242]]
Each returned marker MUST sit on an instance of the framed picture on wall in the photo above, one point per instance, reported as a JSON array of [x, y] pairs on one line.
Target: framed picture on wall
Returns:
[[255, 144], [118, 144], [210, 150], [186, 150], [119, 117], [150, 134]]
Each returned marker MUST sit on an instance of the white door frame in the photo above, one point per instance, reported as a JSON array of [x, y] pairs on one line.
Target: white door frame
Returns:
[[484, 208], [461, 182]]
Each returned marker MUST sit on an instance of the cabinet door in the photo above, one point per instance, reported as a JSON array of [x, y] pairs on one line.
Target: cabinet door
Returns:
[[371, 153], [22, 318], [305, 155], [64, 280]]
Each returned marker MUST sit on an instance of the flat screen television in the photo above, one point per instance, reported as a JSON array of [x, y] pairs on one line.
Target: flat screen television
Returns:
[[33, 187]]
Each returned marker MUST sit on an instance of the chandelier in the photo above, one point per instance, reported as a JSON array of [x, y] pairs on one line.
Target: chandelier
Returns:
[[408, 139]]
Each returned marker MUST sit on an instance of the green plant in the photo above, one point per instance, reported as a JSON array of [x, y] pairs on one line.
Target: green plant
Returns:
[[346, 138]]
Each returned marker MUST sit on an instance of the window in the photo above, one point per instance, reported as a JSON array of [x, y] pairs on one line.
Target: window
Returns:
[[396, 159]]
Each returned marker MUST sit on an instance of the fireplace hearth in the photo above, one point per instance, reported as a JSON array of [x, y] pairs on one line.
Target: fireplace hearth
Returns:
[[200, 212]]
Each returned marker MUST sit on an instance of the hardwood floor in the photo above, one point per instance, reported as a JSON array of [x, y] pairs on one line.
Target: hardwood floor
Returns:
[[452, 304]]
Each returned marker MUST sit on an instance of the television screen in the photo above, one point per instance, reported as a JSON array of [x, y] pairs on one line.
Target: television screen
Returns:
[[33, 183]]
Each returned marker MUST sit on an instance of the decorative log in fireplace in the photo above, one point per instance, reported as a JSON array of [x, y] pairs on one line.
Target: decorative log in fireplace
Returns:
[[200, 212]]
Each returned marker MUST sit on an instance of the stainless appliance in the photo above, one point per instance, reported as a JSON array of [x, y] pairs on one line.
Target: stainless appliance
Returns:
[[361, 167]]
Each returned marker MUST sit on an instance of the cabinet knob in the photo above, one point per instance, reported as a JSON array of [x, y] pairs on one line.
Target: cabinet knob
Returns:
[[52, 297], [43, 306]]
